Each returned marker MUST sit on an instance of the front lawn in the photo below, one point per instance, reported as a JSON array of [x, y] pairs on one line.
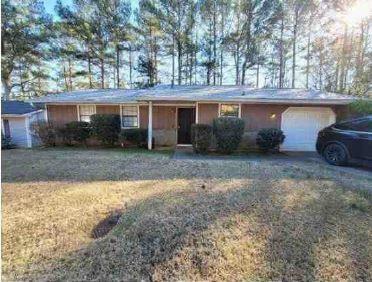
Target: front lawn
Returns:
[[181, 219]]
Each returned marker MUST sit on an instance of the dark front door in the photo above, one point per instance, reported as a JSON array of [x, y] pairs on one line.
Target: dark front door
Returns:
[[186, 117]]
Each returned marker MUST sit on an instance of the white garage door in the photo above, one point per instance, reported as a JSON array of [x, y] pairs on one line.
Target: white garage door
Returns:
[[301, 126]]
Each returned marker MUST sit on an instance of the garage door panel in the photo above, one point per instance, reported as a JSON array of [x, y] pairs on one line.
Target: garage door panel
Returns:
[[301, 126]]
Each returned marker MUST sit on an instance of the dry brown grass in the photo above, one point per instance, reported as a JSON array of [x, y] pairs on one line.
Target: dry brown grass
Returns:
[[182, 220]]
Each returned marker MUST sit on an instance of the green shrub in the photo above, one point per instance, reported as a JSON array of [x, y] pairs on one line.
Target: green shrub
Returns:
[[79, 131], [228, 132], [134, 136], [46, 132], [201, 137], [75, 131], [269, 139], [361, 108], [6, 142], [105, 128], [65, 135]]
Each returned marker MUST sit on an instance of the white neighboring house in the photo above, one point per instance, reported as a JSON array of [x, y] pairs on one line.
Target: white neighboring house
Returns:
[[16, 120]]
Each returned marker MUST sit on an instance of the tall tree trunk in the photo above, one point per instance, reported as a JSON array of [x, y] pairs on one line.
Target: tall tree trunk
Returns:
[[214, 42], [173, 58], [248, 46], [102, 66], [281, 53], [179, 60], [221, 47], [70, 74], [130, 66], [349, 57], [359, 64], [258, 76], [90, 70], [237, 64], [65, 77], [308, 57], [343, 60], [294, 48], [196, 59], [6, 85], [117, 66]]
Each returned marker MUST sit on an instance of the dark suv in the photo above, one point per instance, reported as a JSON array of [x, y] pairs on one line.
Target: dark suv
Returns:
[[346, 141]]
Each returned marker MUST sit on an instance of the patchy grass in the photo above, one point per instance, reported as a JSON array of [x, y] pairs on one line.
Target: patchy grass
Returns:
[[181, 220]]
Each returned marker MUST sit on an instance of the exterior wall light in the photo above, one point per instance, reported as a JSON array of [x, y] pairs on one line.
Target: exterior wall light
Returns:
[[272, 116]]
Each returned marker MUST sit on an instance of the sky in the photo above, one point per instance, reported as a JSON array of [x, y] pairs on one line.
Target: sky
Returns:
[[49, 5]]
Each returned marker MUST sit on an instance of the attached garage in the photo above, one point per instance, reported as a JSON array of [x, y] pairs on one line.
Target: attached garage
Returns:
[[301, 126]]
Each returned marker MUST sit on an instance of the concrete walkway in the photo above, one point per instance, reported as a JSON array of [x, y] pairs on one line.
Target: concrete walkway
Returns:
[[186, 153]]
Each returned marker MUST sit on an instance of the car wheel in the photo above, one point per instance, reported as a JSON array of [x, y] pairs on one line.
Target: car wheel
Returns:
[[335, 154]]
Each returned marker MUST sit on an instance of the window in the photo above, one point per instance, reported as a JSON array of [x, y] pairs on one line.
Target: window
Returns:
[[129, 116], [85, 111], [359, 125], [227, 110], [6, 128]]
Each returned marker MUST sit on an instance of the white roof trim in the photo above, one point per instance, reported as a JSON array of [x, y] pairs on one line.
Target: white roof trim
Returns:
[[22, 115]]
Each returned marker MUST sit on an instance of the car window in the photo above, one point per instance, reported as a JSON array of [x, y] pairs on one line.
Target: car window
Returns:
[[360, 125], [343, 126], [365, 125]]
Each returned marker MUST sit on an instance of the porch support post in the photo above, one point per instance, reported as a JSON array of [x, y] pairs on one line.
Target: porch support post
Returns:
[[196, 112], [149, 128]]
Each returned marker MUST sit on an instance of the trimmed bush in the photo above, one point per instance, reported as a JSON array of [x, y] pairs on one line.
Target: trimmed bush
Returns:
[[269, 139], [65, 135], [79, 131], [228, 132], [134, 136], [105, 128], [46, 132], [6, 142], [201, 137], [75, 131]]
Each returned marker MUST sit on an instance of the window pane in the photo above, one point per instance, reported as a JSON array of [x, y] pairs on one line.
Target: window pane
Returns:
[[85, 118], [130, 121], [229, 111], [365, 125], [129, 110], [86, 110]]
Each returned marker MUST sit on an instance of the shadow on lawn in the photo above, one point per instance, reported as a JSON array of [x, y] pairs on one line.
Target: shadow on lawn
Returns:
[[174, 236]]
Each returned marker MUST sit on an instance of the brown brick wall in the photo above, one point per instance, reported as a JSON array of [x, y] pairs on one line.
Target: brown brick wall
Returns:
[[207, 112], [144, 116], [62, 114], [164, 117], [260, 116]]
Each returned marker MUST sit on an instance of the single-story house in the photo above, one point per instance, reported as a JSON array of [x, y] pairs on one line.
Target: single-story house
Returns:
[[16, 120], [168, 113]]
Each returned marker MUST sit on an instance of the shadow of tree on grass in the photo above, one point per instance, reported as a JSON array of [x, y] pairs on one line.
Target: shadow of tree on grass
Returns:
[[185, 235]]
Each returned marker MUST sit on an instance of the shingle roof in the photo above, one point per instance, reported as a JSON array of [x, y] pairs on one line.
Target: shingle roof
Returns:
[[16, 108], [196, 93]]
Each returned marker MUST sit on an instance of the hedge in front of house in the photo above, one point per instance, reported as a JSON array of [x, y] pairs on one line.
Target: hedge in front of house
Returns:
[[134, 136], [201, 137], [269, 139], [75, 131], [6, 142], [228, 132], [46, 132], [105, 128]]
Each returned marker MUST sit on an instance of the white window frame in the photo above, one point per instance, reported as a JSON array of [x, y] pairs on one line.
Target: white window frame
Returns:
[[78, 109], [121, 115], [234, 104]]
